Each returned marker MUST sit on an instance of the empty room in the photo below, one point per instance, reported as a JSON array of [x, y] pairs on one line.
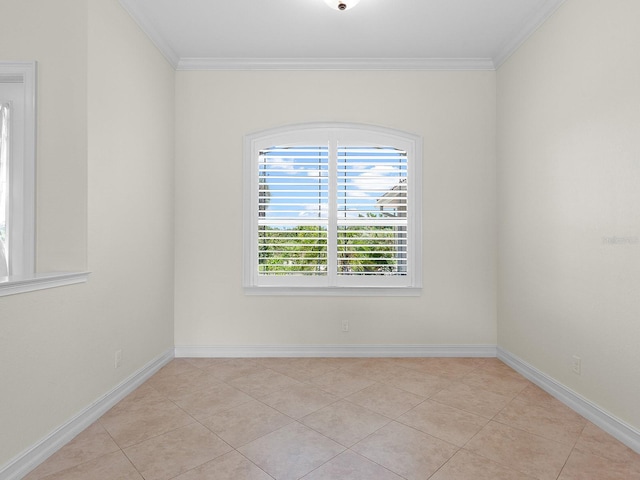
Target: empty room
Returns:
[[319, 239]]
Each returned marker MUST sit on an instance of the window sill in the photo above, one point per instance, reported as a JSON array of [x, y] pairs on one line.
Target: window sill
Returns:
[[39, 281], [336, 291]]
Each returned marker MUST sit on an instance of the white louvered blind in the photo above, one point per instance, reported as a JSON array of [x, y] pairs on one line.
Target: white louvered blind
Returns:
[[293, 203], [371, 211], [335, 209]]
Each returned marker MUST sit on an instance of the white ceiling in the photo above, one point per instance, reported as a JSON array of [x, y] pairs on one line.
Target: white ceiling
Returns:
[[307, 34]]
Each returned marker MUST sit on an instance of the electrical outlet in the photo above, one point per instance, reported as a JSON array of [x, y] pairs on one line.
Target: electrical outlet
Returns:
[[576, 364], [118, 359], [345, 325]]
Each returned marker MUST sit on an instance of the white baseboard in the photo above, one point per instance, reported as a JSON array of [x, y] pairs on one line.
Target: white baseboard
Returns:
[[335, 351], [34, 456], [589, 410]]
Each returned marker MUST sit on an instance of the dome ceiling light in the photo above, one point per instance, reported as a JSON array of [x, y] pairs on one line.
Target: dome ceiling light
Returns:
[[341, 4]]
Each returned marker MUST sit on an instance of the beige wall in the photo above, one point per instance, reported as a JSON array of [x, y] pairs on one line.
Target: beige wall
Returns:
[[54, 34], [453, 112], [105, 126], [569, 176]]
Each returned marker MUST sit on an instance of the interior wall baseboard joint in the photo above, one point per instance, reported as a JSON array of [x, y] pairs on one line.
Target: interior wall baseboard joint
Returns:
[[589, 410], [38, 453]]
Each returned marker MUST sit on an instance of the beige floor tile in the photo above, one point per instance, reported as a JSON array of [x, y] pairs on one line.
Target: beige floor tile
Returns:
[[291, 452], [169, 425], [344, 362], [176, 452], [90, 444], [341, 382], [113, 466], [586, 466], [553, 421], [231, 466], [262, 383], [173, 386], [450, 368], [301, 369], [598, 442], [234, 368], [345, 422], [351, 466], [503, 384], [472, 399], [320, 366], [176, 366], [418, 383], [140, 398], [404, 362], [405, 451], [527, 453], [446, 423], [298, 373], [377, 369], [299, 400], [499, 368], [139, 422], [246, 422], [211, 400], [534, 394], [468, 466], [274, 362], [482, 362], [386, 400], [206, 362], [243, 362]]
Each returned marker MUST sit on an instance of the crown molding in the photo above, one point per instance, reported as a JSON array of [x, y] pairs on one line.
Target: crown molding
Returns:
[[156, 38], [336, 64], [523, 32]]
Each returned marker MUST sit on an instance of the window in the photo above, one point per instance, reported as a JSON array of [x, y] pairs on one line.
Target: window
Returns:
[[17, 168], [17, 185], [332, 208]]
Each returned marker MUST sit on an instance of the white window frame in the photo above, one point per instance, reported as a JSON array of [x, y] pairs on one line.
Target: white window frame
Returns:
[[22, 169], [327, 134], [22, 276]]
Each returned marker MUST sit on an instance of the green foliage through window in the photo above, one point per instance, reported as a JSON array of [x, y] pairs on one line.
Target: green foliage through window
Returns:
[[298, 250], [302, 250]]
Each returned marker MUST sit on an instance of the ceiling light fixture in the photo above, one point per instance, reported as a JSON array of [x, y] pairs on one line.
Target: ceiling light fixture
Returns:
[[341, 4]]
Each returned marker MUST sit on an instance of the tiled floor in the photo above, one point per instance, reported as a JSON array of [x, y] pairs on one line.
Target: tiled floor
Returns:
[[340, 418]]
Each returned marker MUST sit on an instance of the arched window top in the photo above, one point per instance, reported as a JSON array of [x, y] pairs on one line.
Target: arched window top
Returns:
[[332, 208]]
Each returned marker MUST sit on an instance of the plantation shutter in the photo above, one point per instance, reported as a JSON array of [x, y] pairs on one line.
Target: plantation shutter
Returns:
[[372, 211], [293, 199]]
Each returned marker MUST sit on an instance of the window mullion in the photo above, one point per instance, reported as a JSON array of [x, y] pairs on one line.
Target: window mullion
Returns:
[[332, 229]]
